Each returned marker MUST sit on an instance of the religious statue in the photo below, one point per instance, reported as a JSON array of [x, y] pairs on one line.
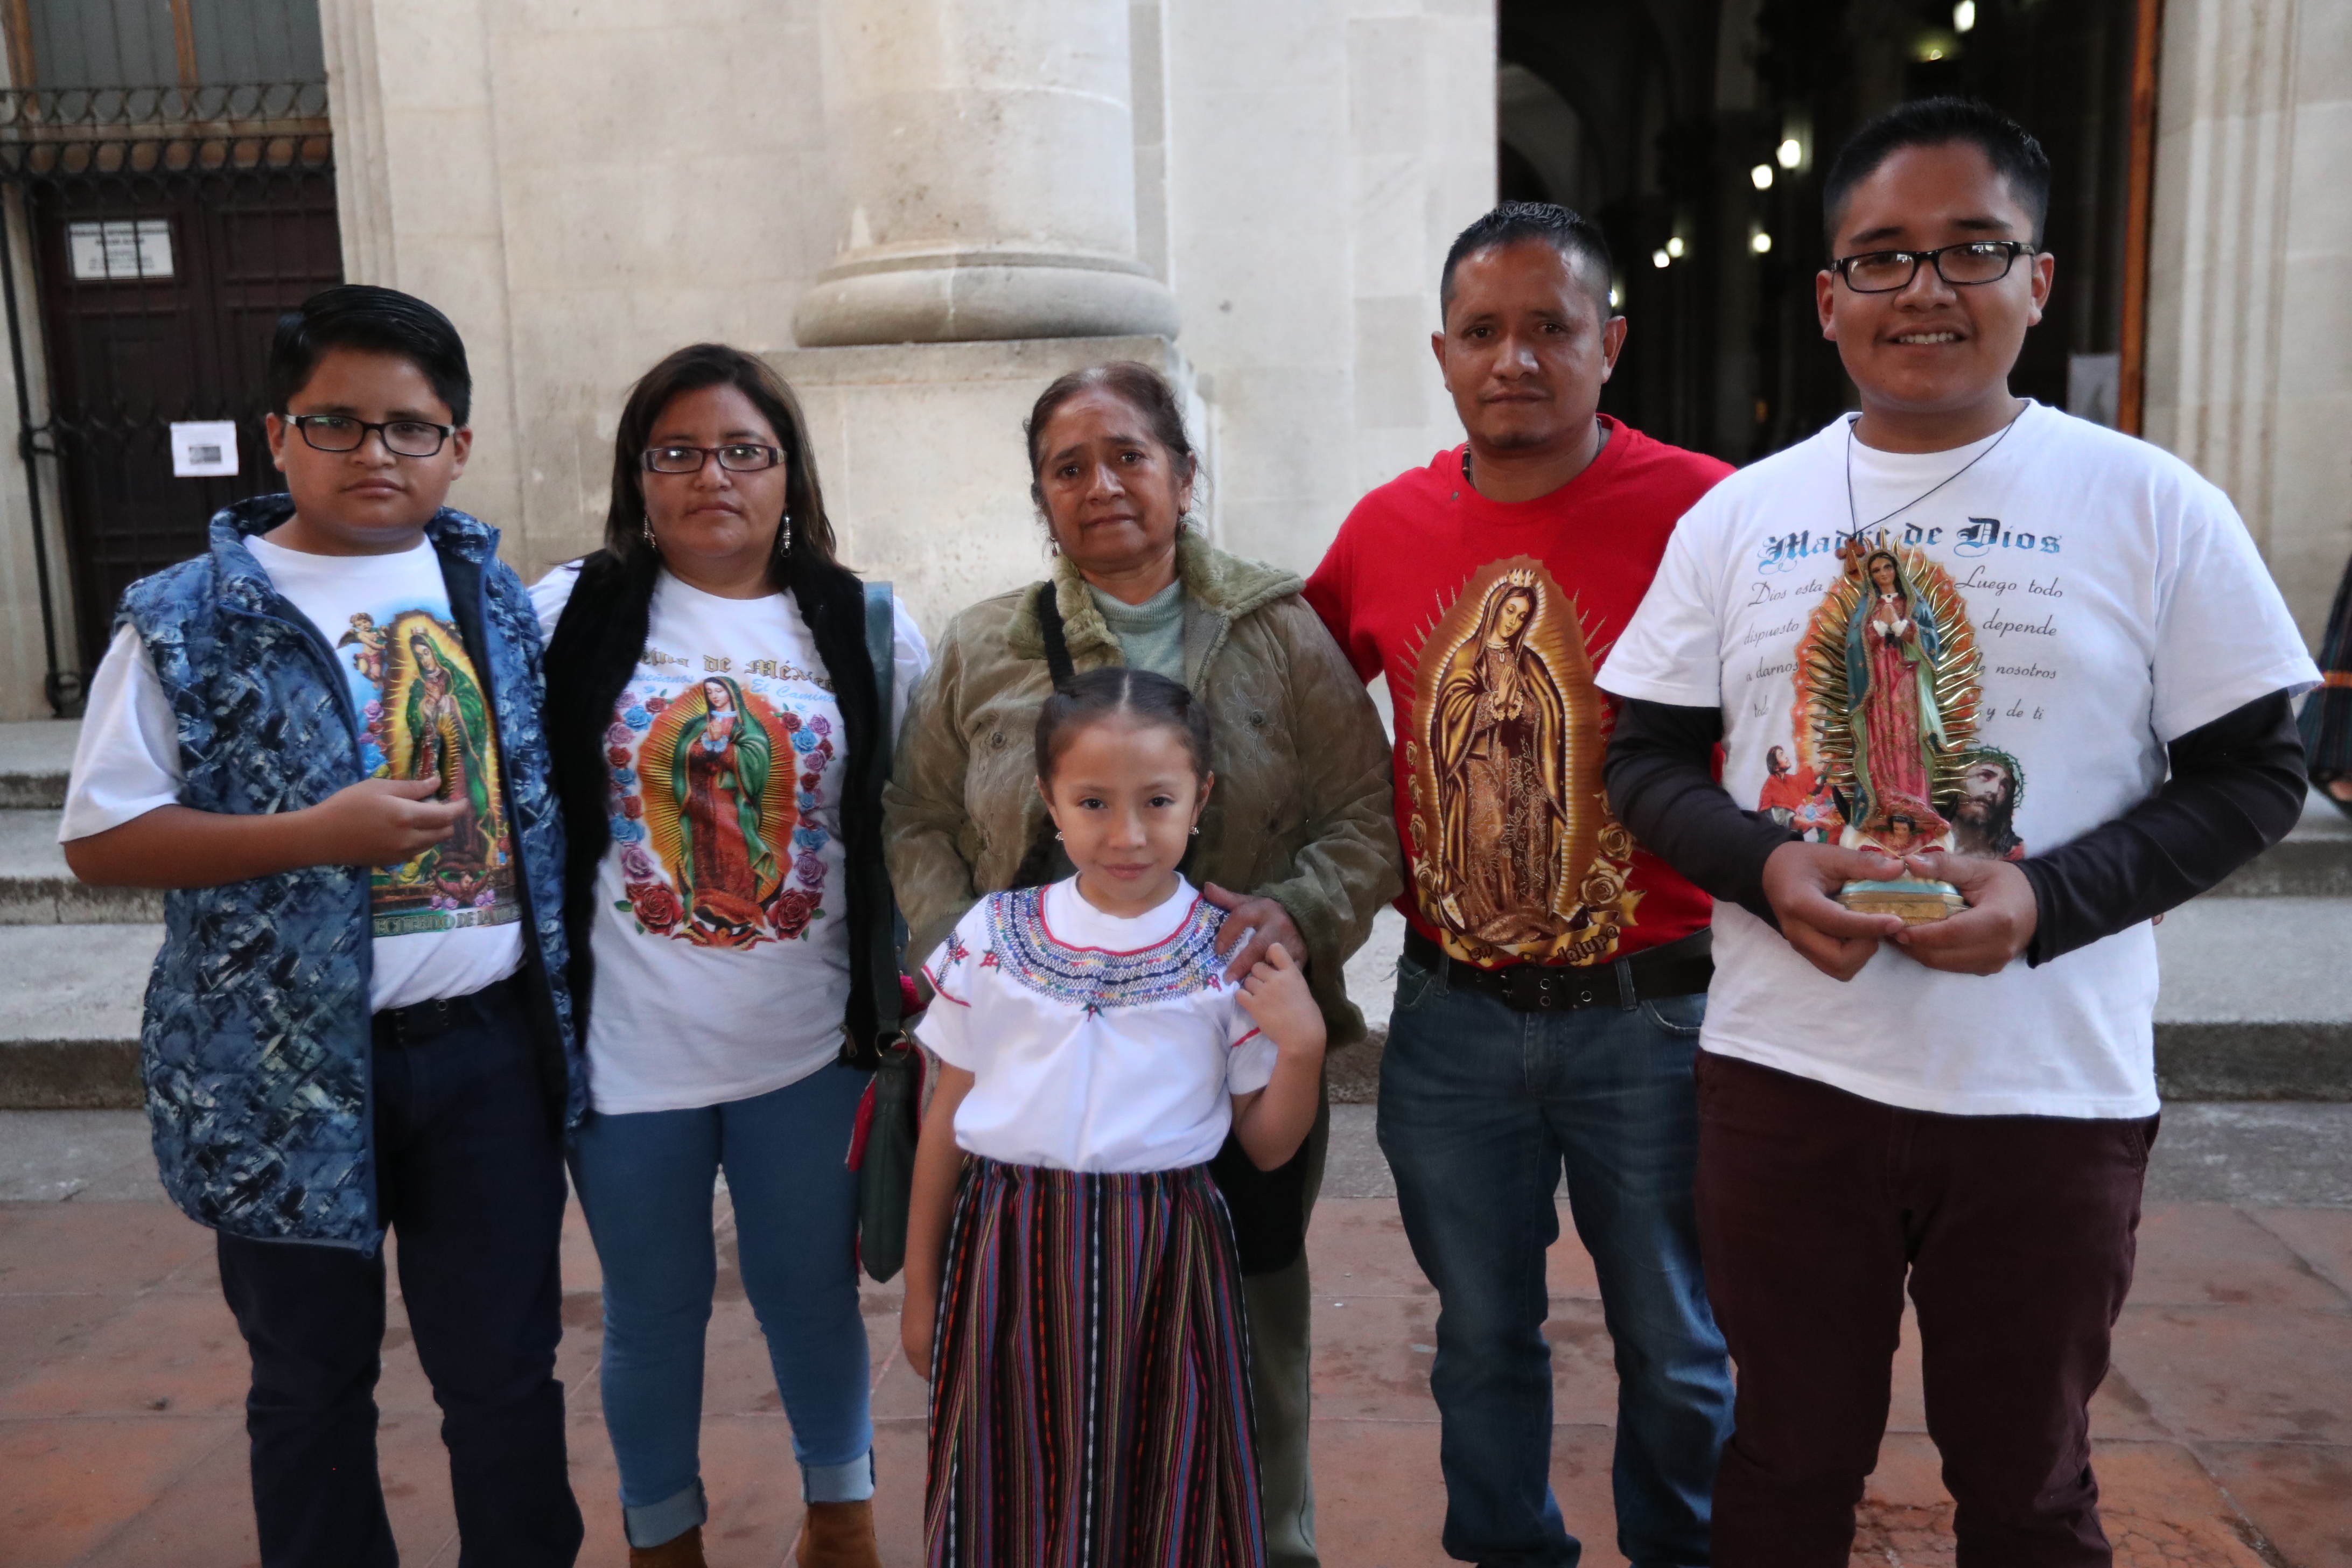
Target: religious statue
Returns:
[[1889, 670]]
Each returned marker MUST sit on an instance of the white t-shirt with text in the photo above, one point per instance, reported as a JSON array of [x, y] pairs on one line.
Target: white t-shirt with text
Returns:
[[721, 941], [445, 923], [2118, 603]]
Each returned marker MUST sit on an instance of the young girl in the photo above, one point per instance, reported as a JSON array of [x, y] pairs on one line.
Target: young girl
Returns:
[[1091, 1374]]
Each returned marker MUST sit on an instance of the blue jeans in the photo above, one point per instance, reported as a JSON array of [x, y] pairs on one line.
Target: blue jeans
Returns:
[[646, 1183], [1480, 1107]]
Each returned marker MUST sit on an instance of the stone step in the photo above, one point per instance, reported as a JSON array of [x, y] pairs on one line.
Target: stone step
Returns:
[[2313, 861], [35, 888], [2256, 1002], [70, 1008], [35, 757]]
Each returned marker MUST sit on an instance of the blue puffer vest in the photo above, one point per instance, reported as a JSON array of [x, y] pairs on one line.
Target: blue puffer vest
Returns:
[[256, 1046]]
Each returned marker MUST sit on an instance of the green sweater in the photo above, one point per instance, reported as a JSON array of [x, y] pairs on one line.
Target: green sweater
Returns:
[[1150, 634]]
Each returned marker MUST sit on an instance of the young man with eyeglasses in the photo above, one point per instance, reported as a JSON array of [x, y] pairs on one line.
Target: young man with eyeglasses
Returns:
[[1965, 1106], [322, 737]]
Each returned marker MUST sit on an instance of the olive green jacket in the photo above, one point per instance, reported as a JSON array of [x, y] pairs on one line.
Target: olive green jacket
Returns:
[[1302, 809]]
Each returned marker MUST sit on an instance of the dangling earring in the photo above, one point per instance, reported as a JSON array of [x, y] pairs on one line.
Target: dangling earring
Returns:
[[651, 543], [784, 536]]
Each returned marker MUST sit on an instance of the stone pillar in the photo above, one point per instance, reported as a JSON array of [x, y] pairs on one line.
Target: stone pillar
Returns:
[[985, 150], [2250, 273]]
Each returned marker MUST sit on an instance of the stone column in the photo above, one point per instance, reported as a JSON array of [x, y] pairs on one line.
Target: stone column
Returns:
[[2250, 273], [985, 150]]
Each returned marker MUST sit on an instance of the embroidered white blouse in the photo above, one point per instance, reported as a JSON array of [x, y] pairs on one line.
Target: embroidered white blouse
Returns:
[[1094, 1043]]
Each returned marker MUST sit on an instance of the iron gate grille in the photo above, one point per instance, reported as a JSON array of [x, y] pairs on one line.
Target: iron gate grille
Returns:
[[167, 228]]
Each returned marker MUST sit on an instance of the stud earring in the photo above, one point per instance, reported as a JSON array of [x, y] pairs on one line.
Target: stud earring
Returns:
[[1057, 838], [1196, 833]]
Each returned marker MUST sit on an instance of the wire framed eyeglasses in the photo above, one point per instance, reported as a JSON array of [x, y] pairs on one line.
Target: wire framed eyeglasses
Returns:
[[736, 458], [1961, 266]]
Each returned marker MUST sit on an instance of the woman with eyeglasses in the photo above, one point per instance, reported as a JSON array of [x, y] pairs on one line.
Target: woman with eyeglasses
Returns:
[[715, 717]]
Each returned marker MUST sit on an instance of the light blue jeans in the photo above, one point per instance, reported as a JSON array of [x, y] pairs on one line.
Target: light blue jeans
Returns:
[[1480, 1109], [645, 1181]]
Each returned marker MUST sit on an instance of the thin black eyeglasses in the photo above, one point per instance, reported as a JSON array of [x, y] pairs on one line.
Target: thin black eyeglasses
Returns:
[[1961, 266], [736, 458], [341, 433]]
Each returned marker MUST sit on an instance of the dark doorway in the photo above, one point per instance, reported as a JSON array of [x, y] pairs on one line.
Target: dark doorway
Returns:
[[168, 224], [1703, 127]]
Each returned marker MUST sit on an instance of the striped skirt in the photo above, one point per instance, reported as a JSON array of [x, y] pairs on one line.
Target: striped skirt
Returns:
[[1090, 1398]]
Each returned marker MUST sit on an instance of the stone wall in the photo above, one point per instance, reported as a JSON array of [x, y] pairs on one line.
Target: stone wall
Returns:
[[583, 187]]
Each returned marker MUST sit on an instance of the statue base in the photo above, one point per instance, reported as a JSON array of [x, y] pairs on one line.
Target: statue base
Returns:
[[1916, 900]]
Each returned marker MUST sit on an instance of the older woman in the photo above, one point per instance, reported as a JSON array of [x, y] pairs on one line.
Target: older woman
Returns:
[[715, 721], [1297, 840]]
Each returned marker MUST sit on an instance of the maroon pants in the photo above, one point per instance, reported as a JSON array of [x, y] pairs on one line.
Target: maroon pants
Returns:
[[2017, 1236]]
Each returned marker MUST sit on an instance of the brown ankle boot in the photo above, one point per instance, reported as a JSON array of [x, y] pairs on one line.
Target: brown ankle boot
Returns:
[[838, 1535], [678, 1551]]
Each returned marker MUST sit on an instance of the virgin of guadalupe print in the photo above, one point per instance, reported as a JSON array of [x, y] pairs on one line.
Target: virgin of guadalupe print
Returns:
[[1515, 854], [708, 803], [426, 719], [1889, 704]]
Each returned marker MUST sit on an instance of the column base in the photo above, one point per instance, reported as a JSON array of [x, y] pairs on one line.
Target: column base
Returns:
[[933, 300], [925, 467]]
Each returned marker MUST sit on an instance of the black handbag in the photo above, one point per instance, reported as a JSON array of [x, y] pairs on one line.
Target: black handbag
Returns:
[[882, 1146]]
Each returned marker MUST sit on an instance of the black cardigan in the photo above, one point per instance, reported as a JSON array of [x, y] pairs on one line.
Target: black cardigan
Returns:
[[590, 658]]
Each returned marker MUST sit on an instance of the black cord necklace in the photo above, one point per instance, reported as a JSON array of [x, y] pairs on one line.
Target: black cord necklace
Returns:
[[1853, 513]]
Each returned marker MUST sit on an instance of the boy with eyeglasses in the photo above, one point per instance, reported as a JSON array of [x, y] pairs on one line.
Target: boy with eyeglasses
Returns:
[[322, 737], [1956, 578]]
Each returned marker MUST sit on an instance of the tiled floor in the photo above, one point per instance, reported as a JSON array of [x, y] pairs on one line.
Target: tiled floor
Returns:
[[2225, 1432]]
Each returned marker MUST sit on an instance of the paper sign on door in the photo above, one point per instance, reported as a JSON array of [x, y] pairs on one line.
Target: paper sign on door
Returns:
[[203, 448]]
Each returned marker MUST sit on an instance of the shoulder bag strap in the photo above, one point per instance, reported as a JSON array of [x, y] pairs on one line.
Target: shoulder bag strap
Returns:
[[881, 652], [1049, 629]]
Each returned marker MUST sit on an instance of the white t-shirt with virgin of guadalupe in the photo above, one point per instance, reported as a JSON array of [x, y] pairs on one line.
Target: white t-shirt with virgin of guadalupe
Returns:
[[1096, 1043], [721, 941], [446, 923], [2117, 604]]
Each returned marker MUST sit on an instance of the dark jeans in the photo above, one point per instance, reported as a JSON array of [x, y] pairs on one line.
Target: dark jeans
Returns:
[[1480, 1109], [2017, 1236], [470, 1178]]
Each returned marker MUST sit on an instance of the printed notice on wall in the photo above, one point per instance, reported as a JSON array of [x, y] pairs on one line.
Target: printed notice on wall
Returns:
[[203, 448], [120, 248]]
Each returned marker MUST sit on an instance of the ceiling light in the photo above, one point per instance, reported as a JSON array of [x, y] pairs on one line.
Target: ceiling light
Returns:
[[1675, 248], [1791, 154], [1963, 15], [1614, 300], [1762, 175], [1761, 244], [1660, 258]]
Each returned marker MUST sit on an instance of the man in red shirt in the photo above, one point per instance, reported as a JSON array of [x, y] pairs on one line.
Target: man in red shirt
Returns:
[[1554, 976]]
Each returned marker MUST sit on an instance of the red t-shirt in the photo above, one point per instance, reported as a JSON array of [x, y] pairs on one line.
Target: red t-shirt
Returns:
[[1489, 621]]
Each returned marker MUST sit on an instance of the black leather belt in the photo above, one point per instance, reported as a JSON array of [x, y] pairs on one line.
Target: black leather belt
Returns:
[[1680, 968], [397, 1028]]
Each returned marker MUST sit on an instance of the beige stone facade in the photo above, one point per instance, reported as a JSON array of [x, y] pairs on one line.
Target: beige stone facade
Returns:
[[924, 209], [2250, 319], [586, 186]]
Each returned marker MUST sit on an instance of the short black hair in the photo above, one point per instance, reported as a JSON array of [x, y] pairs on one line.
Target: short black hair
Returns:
[[373, 320], [1566, 230], [2008, 146]]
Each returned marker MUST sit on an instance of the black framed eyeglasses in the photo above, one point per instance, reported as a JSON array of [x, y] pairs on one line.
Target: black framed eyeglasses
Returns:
[[1961, 266], [736, 458], [341, 433]]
